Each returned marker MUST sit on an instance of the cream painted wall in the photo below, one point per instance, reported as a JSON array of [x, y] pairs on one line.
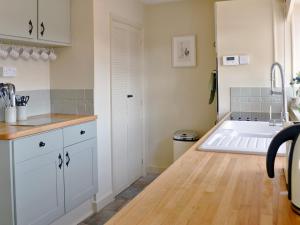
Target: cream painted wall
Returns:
[[131, 11], [74, 68], [177, 98], [296, 37], [31, 75], [240, 32]]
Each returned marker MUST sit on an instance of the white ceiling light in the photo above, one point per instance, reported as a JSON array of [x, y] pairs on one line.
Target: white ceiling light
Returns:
[[159, 1]]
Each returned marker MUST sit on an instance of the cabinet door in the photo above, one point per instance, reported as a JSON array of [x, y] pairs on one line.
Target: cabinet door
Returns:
[[18, 18], [54, 20], [80, 173], [39, 189]]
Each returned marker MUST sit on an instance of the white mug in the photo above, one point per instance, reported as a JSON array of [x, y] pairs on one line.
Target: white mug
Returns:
[[3, 52], [14, 52], [10, 115], [52, 55], [44, 55], [24, 53], [34, 54]]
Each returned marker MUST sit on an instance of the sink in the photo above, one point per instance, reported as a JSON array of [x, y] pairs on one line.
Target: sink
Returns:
[[249, 137]]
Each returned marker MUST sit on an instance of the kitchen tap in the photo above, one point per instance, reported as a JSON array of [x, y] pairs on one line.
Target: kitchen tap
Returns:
[[282, 92]]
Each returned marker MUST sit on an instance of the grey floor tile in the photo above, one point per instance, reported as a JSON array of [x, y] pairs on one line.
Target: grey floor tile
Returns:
[[120, 201], [116, 205]]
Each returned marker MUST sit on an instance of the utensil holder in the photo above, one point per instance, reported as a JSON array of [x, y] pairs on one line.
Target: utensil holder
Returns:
[[10, 115], [21, 113]]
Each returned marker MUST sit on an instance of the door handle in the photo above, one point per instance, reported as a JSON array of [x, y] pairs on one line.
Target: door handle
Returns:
[[43, 29], [30, 27], [60, 161], [129, 96], [68, 159]]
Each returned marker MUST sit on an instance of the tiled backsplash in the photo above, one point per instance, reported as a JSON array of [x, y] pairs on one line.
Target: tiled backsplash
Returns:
[[57, 101], [39, 103], [79, 101], [254, 100]]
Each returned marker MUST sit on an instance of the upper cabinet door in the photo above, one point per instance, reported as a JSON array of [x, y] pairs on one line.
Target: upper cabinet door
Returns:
[[54, 21], [18, 19]]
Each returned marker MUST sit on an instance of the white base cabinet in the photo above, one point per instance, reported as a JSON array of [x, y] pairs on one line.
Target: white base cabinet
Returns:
[[47, 178], [80, 178], [39, 190]]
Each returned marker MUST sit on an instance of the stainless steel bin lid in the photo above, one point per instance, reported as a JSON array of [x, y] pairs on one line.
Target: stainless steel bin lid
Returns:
[[186, 135]]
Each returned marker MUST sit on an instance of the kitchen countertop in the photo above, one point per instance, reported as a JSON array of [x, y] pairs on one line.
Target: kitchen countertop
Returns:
[[207, 188], [9, 132]]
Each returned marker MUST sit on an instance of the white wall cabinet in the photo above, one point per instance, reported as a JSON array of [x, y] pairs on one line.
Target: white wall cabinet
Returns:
[[54, 21], [18, 18], [39, 21], [44, 178]]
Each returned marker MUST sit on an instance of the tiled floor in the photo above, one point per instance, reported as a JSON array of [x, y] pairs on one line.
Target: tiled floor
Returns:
[[120, 201]]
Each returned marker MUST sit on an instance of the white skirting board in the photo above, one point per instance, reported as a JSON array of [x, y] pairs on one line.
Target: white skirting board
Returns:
[[101, 202], [77, 215], [84, 211], [155, 169]]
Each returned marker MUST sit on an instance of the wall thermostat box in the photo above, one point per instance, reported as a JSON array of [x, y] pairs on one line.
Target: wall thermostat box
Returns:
[[8, 71], [233, 60]]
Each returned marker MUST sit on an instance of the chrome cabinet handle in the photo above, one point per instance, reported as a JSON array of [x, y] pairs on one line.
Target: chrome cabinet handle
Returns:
[[68, 159]]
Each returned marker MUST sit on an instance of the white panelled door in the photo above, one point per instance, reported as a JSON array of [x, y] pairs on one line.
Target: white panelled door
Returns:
[[126, 96]]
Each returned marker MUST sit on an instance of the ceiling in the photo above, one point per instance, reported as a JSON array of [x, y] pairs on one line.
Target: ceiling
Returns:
[[159, 1]]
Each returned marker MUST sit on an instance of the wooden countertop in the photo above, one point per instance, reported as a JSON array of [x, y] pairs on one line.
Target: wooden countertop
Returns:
[[8, 132], [207, 188]]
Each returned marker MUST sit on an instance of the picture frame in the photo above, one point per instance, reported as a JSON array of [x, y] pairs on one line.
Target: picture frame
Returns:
[[184, 51]]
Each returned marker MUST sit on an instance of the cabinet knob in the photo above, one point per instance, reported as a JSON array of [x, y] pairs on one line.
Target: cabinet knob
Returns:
[[42, 144], [42, 28], [82, 132], [30, 27]]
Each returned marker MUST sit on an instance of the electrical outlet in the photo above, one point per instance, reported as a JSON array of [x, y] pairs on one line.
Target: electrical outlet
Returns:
[[8, 71]]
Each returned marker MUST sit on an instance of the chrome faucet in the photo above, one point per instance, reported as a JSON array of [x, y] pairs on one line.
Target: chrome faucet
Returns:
[[282, 92]]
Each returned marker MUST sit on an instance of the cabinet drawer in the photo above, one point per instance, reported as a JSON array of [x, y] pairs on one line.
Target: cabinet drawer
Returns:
[[37, 145], [79, 133]]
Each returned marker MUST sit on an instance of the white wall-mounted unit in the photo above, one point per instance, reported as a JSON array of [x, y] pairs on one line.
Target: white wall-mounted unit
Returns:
[[233, 60]]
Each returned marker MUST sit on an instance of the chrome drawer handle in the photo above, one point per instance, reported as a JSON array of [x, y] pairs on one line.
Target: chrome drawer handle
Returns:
[[42, 144]]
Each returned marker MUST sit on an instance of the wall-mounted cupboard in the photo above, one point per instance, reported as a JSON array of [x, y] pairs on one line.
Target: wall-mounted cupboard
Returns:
[[39, 21]]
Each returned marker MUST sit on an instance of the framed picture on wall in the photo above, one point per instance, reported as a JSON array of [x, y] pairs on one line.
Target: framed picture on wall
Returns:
[[184, 51]]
